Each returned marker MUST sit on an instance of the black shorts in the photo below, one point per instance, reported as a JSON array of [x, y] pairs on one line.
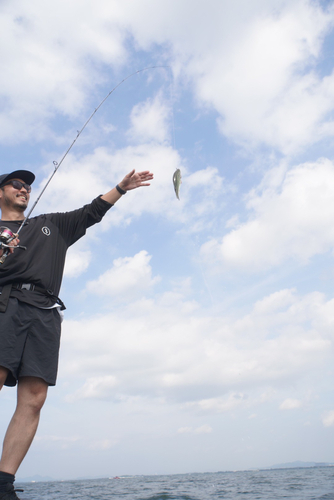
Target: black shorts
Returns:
[[29, 342]]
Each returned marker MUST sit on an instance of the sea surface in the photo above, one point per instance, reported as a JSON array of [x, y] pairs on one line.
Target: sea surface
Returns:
[[298, 484]]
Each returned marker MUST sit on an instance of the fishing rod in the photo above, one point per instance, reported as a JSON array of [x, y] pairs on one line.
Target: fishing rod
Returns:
[[6, 235]]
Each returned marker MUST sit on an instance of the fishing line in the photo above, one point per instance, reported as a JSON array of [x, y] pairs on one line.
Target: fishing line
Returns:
[[79, 132], [173, 114], [5, 244], [177, 178]]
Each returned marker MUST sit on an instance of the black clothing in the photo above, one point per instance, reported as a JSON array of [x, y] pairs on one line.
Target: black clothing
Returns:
[[29, 342], [47, 238], [5, 478], [7, 491], [10, 493], [30, 327]]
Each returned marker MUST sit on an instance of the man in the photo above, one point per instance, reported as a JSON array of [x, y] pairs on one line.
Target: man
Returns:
[[30, 281]]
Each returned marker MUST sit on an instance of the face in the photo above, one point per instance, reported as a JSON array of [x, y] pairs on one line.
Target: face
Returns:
[[16, 199]]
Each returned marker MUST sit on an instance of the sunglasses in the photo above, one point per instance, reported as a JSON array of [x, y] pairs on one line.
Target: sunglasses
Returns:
[[19, 185]]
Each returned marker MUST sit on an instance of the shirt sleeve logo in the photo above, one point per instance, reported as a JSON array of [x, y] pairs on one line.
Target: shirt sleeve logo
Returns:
[[46, 231]]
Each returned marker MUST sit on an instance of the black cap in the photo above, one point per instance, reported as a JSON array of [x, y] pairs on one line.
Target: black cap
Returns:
[[25, 175]]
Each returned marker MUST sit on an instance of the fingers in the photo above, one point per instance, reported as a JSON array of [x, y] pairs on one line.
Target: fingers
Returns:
[[135, 179], [14, 243], [144, 173], [145, 176], [130, 174]]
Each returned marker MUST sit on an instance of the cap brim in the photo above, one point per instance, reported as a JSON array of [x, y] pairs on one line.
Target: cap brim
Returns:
[[25, 175]]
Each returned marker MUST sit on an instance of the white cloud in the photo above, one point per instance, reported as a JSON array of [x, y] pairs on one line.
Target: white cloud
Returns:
[[203, 429], [262, 81], [52, 442], [103, 444], [165, 352], [268, 98], [266, 91], [184, 430], [220, 404], [53, 438], [96, 388], [57, 63], [149, 121], [77, 262], [294, 219], [129, 277], [290, 404], [328, 419]]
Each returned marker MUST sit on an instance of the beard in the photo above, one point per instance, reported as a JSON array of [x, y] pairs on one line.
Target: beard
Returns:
[[17, 204], [20, 206]]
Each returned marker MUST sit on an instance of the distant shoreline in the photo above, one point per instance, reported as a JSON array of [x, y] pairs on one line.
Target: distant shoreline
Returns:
[[288, 465], [299, 465]]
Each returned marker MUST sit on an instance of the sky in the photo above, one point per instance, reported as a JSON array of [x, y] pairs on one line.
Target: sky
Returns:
[[199, 333]]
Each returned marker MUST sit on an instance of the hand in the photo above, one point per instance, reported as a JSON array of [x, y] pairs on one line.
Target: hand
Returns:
[[135, 179], [13, 243]]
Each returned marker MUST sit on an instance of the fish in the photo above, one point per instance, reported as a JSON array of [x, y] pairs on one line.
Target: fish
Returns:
[[177, 182]]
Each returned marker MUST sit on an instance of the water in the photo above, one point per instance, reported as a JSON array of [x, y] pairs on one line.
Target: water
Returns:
[[298, 484]]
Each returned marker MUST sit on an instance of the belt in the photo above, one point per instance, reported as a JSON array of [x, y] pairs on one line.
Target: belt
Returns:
[[5, 292], [24, 286], [21, 286]]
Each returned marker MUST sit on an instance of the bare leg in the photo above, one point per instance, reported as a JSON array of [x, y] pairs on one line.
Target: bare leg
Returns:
[[31, 395]]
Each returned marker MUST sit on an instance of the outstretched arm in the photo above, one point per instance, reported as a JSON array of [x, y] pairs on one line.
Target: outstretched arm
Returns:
[[132, 180]]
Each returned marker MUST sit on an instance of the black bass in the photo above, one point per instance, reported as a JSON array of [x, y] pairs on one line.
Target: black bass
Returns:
[[177, 182]]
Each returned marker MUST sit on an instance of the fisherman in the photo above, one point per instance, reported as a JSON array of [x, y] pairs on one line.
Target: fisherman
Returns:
[[29, 303]]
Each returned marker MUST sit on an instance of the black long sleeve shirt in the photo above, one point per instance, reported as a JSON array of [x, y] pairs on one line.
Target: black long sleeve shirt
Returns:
[[47, 238]]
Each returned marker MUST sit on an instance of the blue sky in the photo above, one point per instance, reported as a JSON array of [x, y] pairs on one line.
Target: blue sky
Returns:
[[198, 334]]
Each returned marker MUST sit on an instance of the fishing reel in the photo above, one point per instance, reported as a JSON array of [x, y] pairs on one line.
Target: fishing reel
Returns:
[[6, 237]]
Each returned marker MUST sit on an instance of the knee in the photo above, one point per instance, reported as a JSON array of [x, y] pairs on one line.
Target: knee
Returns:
[[32, 394], [36, 401]]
